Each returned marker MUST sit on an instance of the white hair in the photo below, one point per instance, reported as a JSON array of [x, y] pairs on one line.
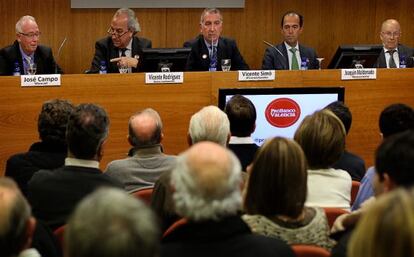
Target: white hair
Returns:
[[133, 23], [209, 124], [194, 201], [21, 20]]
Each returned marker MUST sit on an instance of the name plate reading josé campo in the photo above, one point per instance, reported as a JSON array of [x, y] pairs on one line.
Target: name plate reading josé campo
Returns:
[[350, 74], [254, 75], [164, 78], [45, 80]]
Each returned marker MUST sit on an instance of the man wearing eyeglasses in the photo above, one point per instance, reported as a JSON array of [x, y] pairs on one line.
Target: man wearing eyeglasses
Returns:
[[393, 55], [26, 51], [121, 48]]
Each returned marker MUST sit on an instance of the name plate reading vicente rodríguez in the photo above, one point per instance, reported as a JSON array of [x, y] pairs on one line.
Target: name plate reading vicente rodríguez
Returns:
[[40, 80], [254, 75], [164, 78], [349, 74]]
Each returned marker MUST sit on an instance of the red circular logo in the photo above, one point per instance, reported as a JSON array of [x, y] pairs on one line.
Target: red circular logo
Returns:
[[282, 112]]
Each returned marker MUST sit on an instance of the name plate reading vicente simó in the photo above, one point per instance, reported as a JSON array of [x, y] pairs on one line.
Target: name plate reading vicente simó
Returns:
[[164, 78], [45, 80], [255, 75], [350, 74]]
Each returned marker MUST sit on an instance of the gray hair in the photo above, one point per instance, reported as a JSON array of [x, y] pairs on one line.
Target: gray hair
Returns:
[[111, 223], [133, 23], [209, 124], [194, 201], [210, 11], [156, 136], [21, 21]]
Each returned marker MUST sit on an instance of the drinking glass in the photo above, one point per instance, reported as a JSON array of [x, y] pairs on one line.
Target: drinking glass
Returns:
[[31, 70], [320, 62], [225, 64], [123, 69]]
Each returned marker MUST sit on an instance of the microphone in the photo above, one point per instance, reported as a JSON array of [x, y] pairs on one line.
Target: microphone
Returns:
[[58, 53], [267, 43]]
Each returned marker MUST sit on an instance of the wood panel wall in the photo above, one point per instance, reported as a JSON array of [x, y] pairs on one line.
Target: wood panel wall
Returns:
[[327, 24]]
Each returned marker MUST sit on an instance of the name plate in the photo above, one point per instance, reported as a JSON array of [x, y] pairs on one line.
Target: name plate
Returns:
[[45, 80], [350, 74], [254, 75], [164, 78]]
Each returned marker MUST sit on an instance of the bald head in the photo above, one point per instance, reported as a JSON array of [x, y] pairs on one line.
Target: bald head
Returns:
[[207, 181], [145, 128], [390, 33]]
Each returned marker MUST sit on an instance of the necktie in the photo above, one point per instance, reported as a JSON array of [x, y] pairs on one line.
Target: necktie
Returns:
[[295, 65], [391, 62], [213, 59], [123, 50]]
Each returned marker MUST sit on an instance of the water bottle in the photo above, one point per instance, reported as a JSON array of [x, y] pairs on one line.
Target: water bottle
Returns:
[[16, 69], [403, 63], [102, 68], [304, 64]]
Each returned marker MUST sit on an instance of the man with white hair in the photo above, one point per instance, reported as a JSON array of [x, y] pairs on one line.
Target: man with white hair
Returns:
[[121, 47], [26, 52], [207, 182], [208, 124]]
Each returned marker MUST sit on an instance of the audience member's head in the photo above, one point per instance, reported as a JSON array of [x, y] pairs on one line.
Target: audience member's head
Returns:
[[394, 162], [396, 118], [209, 124], [277, 181], [87, 130], [111, 223], [53, 120], [16, 222], [145, 128], [322, 138], [207, 181], [342, 112], [242, 116], [387, 227]]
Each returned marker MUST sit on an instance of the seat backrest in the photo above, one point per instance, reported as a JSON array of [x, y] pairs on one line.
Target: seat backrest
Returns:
[[310, 251], [59, 234], [144, 194], [354, 190], [332, 214], [174, 226]]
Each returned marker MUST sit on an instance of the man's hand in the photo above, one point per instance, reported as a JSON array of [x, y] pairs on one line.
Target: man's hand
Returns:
[[126, 61]]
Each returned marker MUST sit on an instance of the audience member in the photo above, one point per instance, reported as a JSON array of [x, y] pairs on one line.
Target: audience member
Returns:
[[322, 138], [349, 162], [242, 116], [121, 47], [290, 55], [148, 161], [208, 124], [27, 52], [111, 223], [54, 194], [207, 193], [50, 152], [393, 119], [209, 48], [276, 195], [393, 55]]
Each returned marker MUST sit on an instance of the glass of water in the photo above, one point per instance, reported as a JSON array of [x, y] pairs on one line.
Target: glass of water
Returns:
[[31, 70], [123, 69], [225, 64]]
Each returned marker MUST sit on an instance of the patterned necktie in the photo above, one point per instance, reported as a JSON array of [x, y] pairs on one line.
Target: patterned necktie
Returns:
[[123, 50], [391, 62], [295, 64], [213, 59]]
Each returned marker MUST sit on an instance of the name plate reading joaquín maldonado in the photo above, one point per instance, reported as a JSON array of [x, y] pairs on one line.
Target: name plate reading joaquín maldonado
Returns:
[[350, 74], [164, 78], [45, 80], [255, 75]]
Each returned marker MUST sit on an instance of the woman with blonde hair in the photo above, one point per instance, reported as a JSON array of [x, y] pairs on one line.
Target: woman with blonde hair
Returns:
[[276, 193]]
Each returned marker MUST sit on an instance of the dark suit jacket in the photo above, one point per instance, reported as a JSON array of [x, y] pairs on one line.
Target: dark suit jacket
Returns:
[[273, 60], [43, 58], [244, 152], [351, 163], [403, 52], [198, 59], [54, 194], [229, 236], [105, 51]]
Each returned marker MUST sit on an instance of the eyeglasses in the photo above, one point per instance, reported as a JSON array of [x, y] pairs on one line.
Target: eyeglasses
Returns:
[[116, 32], [31, 35], [391, 34]]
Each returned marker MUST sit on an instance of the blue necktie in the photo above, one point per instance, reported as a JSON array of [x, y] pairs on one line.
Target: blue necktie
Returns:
[[213, 59]]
